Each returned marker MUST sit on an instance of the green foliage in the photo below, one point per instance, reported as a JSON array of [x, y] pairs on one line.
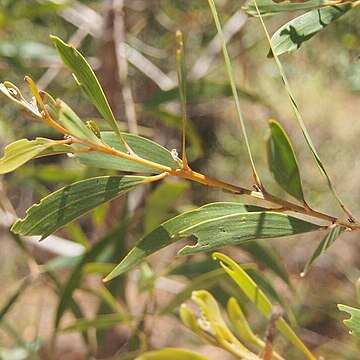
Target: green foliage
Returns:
[[235, 225], [64, 205], [283, 162], [354, 322], [292, 35], [214, 225], [86, 78], [143, 147]]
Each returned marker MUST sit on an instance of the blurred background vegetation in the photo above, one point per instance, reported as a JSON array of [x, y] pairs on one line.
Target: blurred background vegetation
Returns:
[[130, 44]]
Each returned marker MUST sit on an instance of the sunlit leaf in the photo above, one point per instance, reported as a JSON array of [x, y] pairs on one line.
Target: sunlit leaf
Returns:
[[268, 7], [20, 152], [214, 225], [354, 322], [283, 162], [143, 147], [324, 244], [212, 326], [73, 123], [170, 353], [87, 79], [257, 296], [72, 201], [300, 120], [299, 30], [241, 325]]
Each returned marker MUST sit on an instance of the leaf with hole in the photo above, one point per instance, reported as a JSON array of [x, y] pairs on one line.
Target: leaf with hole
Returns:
[[143, 147], [354, 322], [20, 152], [214, 225], [66, 204], [283, 162], [87, 79], [293, 34]]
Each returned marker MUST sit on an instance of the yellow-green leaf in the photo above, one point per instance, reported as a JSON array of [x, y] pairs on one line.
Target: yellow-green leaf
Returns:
[[257, 296], [171, 354], [20, 152]]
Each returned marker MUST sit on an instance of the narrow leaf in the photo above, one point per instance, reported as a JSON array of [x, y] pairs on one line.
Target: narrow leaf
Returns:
[[354, 322], [241, 325], [324, 244], [299, 30], [72, 201], [87, 79], [214, 225], [73, 123], [170, 353], [100, 322], [268, 7], [20, 152], [143, 147], [12, 299], [231, 76], [283, 162], [301, 122], [257, 296]]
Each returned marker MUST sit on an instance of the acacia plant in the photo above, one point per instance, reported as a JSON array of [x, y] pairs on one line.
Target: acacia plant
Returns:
[[215, 224]]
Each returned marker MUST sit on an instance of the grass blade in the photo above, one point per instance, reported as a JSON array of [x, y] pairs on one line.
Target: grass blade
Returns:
[[301, 122], [231, 75]]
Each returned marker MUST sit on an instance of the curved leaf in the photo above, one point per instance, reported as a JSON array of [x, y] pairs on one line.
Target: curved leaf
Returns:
[[86, 78], [257, 296], [214, 225], [170, 353], [354, 322], [72, 201], [293, 34], [283, 162], [268, 7], [324, 244], [20, 152], [73, 123], [143, 147]]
